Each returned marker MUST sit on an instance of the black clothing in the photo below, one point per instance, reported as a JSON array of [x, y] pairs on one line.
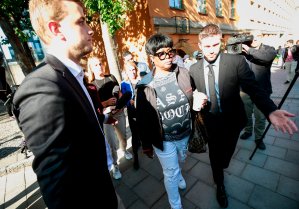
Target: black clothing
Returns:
[[105, 87], [260, 62], [224, 128], [4, 87], [54, 113]]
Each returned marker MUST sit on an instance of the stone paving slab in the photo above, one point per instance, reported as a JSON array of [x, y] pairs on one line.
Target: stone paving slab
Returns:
[[263, 198]]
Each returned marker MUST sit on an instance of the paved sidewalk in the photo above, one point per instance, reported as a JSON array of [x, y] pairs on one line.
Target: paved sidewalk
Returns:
[[269, 181]]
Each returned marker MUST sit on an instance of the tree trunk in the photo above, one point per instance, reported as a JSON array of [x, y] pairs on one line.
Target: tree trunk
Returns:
[[21, 49], [110, 52]]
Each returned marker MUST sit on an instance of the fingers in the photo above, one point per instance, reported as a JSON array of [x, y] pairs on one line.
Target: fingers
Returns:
[[113, 101], [286, 127], [291, 127]]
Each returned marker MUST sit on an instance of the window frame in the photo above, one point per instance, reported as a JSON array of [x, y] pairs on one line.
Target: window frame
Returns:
[[219, 8], [203, 9], [180, 4], [232, 9]]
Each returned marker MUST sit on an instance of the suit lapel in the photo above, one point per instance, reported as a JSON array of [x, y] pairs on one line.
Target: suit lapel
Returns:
[[222, 73], [71, 80], [201, 77]]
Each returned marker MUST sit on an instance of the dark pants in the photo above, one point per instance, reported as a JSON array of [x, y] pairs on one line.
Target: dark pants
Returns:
[[134, 130], [223, 137]]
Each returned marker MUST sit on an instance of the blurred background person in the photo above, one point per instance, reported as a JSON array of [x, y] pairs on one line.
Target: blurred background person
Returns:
[[4, 86], [109, 93], [290, 58], [142, 67], [131, 78]]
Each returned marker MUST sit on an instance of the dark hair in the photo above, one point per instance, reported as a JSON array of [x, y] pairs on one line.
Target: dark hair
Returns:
[[156, 42]]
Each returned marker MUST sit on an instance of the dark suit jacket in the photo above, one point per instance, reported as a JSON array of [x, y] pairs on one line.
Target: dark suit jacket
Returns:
[[54, 113], [234, 73]]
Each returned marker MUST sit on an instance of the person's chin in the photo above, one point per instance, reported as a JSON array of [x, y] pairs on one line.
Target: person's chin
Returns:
[[167, 65], [210, 59]]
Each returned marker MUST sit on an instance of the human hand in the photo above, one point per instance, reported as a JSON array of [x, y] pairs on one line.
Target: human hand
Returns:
[[111, 120], [132, 102], [281, 122], [199, 100], [245, 48], [112, 101], [149, 152]]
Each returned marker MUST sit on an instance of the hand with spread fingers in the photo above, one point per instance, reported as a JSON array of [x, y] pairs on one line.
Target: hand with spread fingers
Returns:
[[280, 119]]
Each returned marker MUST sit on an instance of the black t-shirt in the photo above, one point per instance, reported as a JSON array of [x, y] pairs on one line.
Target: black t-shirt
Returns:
[[105, 87]]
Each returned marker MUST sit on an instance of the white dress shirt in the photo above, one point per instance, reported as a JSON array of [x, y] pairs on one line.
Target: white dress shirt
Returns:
[[77, 72]]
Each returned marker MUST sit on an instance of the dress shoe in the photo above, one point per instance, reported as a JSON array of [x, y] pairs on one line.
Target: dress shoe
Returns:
[[261, 144], [221, 196], [245, 135]]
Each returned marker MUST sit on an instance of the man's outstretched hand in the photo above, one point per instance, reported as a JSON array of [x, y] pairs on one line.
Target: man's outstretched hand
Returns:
[[281, 121]]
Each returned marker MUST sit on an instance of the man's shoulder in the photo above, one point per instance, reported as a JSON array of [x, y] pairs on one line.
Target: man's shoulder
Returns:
[[232, 58], [268, 47], [195, 66], [39, 70]]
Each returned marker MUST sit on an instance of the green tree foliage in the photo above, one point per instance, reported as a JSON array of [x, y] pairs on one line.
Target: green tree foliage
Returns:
[[16, 12], [15, 23], [111, 11]]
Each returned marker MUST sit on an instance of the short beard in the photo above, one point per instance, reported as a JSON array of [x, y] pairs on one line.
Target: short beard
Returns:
[[79, 52]]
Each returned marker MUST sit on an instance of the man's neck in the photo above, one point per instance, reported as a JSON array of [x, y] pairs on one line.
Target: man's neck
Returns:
[[60, 51]]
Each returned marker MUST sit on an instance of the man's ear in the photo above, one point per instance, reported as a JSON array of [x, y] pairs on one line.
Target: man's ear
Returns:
[[199, 46], [54, 28]]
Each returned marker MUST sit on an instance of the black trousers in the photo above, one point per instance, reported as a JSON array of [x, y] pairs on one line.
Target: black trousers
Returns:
[[223, 137], [136, 143]]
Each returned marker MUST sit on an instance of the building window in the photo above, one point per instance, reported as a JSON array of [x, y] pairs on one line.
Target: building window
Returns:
[[201, 6], [176, 4], [182, 25], [218, 4], [232, 9]]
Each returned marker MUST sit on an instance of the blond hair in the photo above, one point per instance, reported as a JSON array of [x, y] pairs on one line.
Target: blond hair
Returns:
[[209, 31], [91, 61], [42, 11]]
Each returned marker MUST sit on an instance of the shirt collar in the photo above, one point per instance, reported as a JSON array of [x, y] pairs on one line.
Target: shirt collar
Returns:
[[74, 68], [216, 63]]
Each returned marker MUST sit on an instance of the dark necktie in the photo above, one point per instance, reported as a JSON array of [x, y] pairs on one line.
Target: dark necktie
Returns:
[[212, 90]]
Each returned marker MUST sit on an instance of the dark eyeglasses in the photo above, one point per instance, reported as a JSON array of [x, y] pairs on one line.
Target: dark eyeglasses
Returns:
[[162, 55]]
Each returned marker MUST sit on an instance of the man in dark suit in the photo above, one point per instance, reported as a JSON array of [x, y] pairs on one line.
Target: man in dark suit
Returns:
[[227, 117], [54, 111]]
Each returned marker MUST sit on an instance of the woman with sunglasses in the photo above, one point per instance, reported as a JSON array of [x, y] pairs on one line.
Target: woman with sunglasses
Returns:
[[163, 101]]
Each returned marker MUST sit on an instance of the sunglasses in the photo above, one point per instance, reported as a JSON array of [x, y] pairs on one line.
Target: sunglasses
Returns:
[[162, 55]]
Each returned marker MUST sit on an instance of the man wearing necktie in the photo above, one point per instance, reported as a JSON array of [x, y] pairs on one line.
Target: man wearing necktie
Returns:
[[227, 117]]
